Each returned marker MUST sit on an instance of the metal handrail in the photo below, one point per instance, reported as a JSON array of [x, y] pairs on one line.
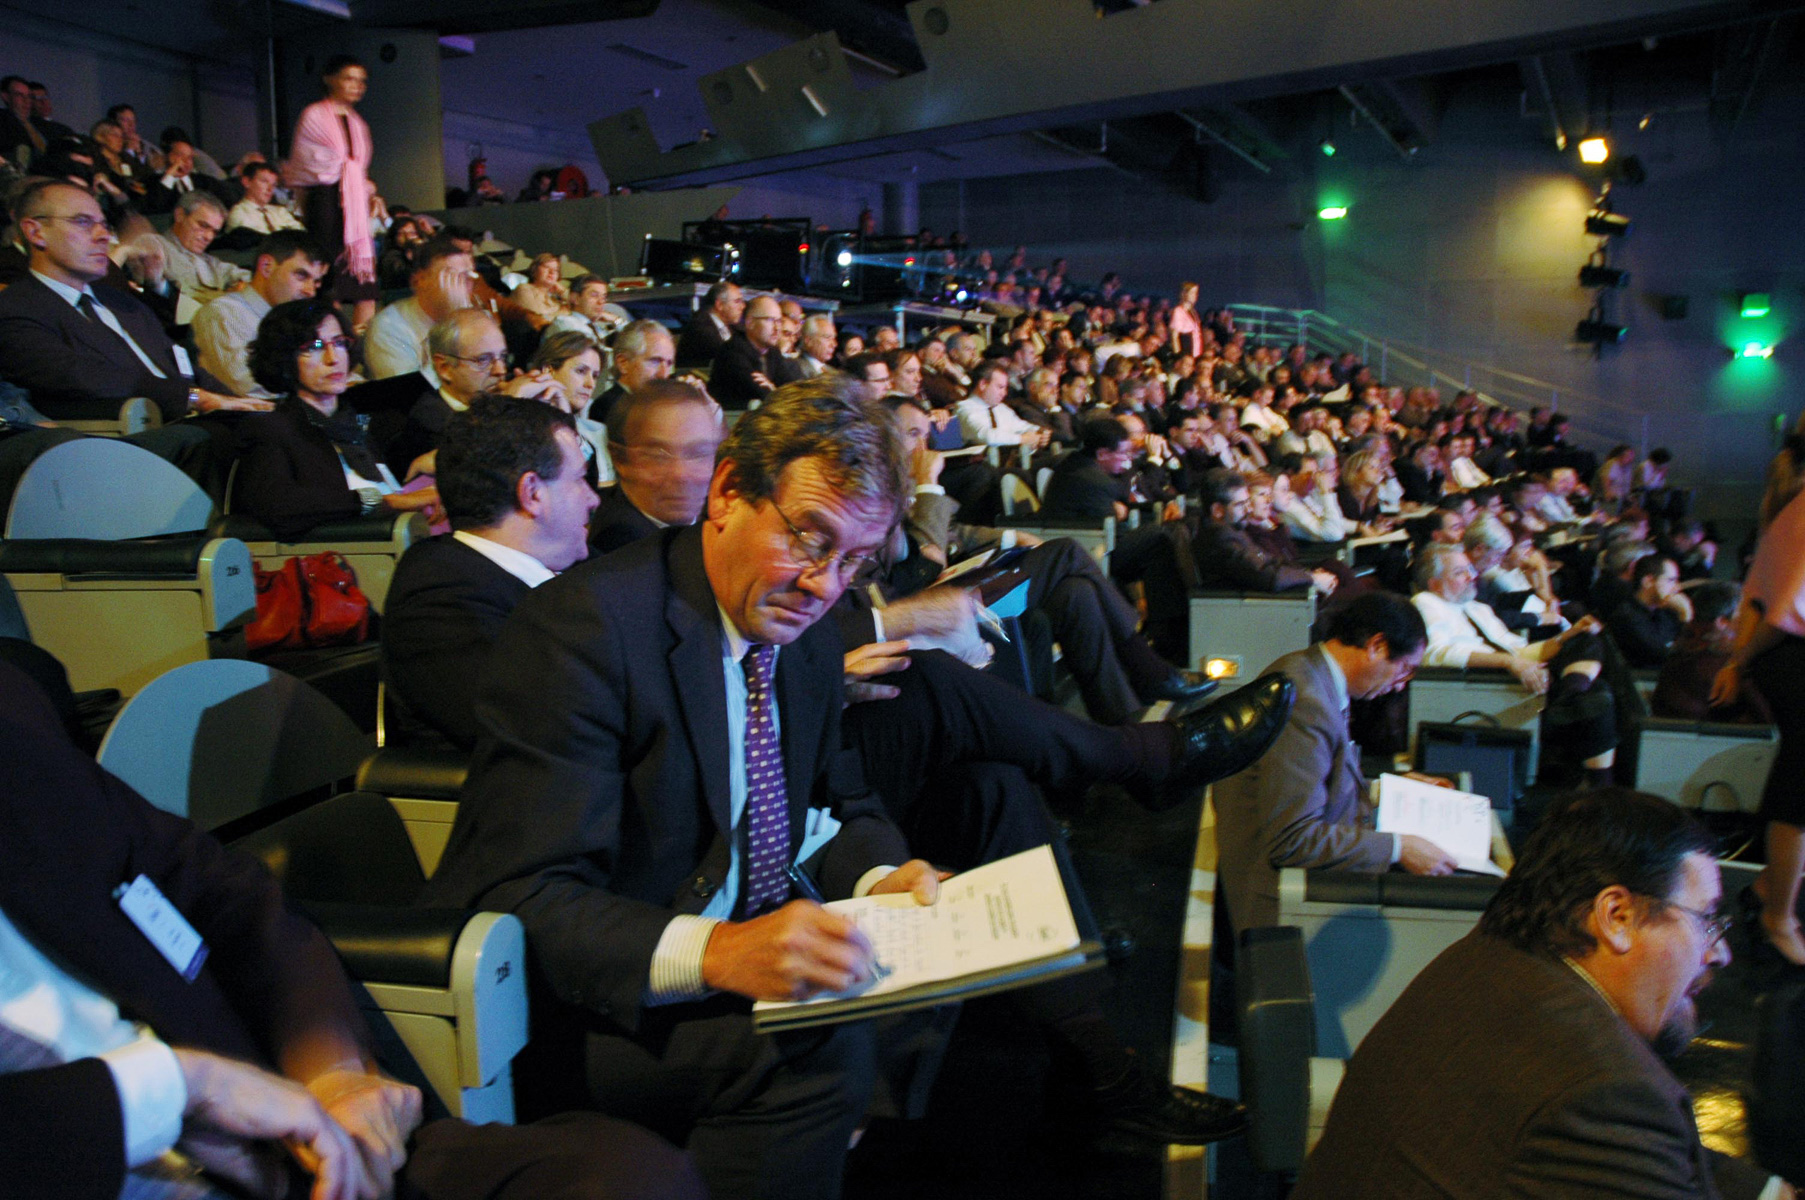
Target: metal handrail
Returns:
[[1606, 420]]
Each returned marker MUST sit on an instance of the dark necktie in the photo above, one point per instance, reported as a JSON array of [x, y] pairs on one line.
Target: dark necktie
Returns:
[[84, 305], [993, 417], [1480, 630], [767, 802]]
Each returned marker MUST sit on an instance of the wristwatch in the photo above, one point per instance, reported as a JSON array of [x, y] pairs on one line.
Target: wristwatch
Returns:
[[194, 399]]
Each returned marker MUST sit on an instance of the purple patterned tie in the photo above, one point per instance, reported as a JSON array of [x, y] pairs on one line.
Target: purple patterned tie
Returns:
[[767, 802]]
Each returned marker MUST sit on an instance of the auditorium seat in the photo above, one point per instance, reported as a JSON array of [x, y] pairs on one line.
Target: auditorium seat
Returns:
[[120, 613], [106, 418], [1448, 694], [264, 761], [1367, 936], [1099, 536], [1246, 631]]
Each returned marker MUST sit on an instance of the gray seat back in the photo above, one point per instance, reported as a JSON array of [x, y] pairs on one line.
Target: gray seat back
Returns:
[[107, 490], [214, 741]]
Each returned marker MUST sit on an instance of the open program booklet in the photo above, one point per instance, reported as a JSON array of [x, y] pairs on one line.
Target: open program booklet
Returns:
[[1003, 925], [1459, 822]]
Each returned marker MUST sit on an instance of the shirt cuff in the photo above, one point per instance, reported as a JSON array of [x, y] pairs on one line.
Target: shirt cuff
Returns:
[[929, 489], [676, 974], [877, 624], [869, 880], [1397, 848], [152, 1095], [1772, 1190]]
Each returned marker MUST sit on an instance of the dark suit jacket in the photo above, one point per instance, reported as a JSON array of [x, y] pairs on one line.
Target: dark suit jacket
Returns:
[[1227, 558], [1303, 804], [289, 474], [731, 381], [75, 368], [445, 609], [70, 834], [1501, 1074], [699, 342], [161, 199], [421, 431], [1079, 488], [597, 804], [603, 404], [389, 403], [616, 523]]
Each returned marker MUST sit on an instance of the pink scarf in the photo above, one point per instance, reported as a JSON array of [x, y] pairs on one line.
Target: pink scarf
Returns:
[[320, 158]]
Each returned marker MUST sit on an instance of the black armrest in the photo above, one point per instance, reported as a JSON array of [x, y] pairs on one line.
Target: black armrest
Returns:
[[1463, 675], [423, 773], [1277, 1023], [1035, 521], [1296, 593], [378, 527], [1459, 893], [381, 944], [178, 555]]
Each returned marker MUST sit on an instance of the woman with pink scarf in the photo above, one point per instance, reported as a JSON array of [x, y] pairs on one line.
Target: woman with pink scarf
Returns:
[[330, 158]]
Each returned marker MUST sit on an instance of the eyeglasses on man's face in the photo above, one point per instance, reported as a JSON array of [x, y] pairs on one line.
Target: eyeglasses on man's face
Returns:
[[1715, 925], [86, 223], [813, 550], [485, 362]]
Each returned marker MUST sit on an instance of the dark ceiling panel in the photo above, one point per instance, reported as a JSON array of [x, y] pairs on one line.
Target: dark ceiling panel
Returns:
[[489, 16]]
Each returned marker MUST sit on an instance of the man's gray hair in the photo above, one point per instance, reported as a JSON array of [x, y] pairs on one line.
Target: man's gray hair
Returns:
[[1487, 533], [631, 341], [447, 337], [198, 199], [816, 323], [1432, 562], [828, 419]]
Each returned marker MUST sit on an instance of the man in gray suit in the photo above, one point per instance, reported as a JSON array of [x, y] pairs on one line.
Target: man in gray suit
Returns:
[[1524, 1062], [1303, 804]]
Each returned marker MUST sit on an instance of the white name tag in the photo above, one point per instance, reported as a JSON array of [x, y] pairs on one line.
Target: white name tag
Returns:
[[181, 360], [168, 930]]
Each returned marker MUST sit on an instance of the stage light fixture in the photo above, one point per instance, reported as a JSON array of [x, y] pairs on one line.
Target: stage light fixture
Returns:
[[1594, 150], [1596, 275], [1756, 304], [1604, 223], [1596, 331], [1756, 350], [844, 258], [1332, 212], [1327, 147]]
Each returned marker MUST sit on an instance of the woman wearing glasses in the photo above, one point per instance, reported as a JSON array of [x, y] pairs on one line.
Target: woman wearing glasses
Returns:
[[309, 461]]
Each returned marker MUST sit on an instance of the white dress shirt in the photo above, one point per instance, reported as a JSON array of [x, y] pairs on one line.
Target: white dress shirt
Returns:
[[1466, 474], [1317, 517], [223, 333], [1459, 631], [261, 218], [41, 1001], [990, 424], [395, 342], [517, 563]]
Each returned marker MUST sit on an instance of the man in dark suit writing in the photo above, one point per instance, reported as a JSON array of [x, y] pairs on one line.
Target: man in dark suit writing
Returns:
[[1523, 1061], [661, 742]]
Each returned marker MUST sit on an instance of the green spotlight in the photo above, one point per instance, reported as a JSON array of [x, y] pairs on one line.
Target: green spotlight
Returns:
[[1332, 212], [1756, 304], [1327, 147], [1757, 350]]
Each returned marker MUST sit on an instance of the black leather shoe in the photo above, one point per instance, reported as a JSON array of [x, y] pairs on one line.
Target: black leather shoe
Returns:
[[1226, 736], [1160, 1112], [1179, 687]]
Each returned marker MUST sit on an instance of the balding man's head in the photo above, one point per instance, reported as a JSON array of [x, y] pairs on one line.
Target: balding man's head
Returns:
[[763, 322]]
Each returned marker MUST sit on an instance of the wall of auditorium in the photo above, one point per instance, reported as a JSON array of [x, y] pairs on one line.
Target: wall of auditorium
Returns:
[[87, 73], [1473, 249]]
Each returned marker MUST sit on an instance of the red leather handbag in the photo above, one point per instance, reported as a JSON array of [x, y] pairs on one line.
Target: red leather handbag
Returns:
[[307, 603]]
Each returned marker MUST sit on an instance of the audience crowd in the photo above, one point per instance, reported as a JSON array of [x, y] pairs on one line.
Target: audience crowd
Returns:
[[545, 423]]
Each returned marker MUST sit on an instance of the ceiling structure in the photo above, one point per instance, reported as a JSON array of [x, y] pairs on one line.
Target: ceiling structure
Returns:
[[532, 62]]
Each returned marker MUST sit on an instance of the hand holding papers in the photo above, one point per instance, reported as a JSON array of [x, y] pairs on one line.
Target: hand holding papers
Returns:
[[1458, 822], [998, 926]]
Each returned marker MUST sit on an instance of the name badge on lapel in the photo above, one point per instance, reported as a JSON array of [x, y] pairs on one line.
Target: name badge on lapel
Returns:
[[145, 906]]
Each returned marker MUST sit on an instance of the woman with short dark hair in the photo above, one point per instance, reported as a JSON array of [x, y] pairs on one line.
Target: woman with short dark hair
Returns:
[[309, 461]]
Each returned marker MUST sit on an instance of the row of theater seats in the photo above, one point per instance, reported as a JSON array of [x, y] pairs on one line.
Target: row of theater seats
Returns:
[[272, 766], [122, 568]]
